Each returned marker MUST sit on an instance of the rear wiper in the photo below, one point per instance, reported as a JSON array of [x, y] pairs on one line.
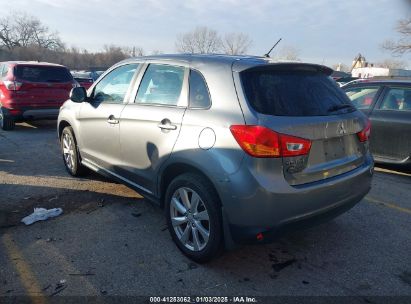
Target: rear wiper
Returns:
[[340, 107]]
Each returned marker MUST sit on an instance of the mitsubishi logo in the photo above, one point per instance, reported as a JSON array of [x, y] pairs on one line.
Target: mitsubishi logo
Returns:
[[341, 130]]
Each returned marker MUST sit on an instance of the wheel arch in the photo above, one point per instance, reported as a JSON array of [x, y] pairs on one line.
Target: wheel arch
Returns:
[[175, 169], [62, 125]]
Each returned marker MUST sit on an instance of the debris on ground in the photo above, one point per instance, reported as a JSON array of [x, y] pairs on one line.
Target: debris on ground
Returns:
[[60, 286], [135, 214], [41, 214], [88, 273], [281, 265]]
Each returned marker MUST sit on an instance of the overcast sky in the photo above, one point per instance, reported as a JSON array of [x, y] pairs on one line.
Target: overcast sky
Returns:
[[324, 31]]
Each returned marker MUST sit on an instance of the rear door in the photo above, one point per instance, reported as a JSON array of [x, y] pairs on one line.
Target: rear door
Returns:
[[302, 101], [99, 118], [42, 86], [150, 126], [391, 125]]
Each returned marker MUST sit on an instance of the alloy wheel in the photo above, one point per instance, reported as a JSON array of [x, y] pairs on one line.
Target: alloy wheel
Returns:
[[68, 151], [190, 219]]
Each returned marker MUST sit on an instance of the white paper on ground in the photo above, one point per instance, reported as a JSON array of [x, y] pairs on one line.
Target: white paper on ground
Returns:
[[41, 214]]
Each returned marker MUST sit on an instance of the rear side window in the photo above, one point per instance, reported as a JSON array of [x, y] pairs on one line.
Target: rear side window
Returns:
[[42, 73], [199, 96], [293, 93], [397, 99], [3, 70], [362, 98]]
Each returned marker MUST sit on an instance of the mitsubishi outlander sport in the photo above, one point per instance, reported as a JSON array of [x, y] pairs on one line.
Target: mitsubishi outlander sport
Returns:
[[235, 149]]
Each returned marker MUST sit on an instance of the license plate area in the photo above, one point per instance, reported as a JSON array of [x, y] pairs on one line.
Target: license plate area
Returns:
[[334, 148]]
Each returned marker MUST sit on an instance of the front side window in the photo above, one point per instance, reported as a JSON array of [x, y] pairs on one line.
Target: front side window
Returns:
[[161, 84], [114, 86], [362, 98], [397, 99], [199, 96]]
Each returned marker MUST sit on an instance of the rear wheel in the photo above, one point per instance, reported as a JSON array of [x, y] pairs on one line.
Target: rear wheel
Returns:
[[194, 217], [6, 122], [70, 152]]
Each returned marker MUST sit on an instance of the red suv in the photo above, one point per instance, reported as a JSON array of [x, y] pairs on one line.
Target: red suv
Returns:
[[32, 90]]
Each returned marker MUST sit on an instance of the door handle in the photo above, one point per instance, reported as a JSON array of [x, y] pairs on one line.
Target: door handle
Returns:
[[166, 124], [112, 120]]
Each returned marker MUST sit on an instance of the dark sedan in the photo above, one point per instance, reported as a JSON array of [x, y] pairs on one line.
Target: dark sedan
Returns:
[[387, 103]]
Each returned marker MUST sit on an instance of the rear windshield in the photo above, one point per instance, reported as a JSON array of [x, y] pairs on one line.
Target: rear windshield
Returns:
[[294, 93], [43, 74]]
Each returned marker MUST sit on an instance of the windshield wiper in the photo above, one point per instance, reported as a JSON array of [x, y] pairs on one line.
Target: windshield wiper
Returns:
[[340, 107]]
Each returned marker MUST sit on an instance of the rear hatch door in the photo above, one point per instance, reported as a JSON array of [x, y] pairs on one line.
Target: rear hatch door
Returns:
[[43, 86], [302, 101]]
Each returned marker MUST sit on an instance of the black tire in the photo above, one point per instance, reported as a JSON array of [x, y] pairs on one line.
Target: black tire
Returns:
[[6, 122], [210, 201], [75, 168]]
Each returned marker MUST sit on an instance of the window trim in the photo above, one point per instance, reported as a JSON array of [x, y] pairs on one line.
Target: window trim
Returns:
[[184, 88], [108, 72], [208, 91]]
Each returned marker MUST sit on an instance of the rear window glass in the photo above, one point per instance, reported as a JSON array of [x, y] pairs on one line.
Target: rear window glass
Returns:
[[294, 93], [43, 74]]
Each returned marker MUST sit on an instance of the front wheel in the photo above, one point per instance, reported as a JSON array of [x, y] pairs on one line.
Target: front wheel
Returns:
[[194, 217], [70, 152]]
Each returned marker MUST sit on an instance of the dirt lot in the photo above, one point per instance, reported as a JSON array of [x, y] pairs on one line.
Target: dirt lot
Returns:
[[111, 242]]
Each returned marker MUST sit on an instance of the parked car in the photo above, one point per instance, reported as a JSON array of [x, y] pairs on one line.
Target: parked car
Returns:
[[83, 79], [84, 82], [235, 149], [387, 103], [32, 90]]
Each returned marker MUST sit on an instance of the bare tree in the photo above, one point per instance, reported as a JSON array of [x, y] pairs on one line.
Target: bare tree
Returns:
[[22, 30], [403, 45], [288, 52], [341, 67], [156, 52], [7, 34], [392, 64], [236, 43], [202, 40]]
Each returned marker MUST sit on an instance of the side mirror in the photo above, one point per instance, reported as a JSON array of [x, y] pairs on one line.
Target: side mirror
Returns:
[[78, 94]]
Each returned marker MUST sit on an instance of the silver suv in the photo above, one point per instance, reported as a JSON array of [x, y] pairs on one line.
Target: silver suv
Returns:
[[235, 149]]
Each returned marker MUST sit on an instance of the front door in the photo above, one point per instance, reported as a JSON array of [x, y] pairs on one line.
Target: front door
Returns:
[[100, 118]]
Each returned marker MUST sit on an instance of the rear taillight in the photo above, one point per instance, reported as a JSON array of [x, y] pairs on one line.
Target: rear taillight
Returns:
[[14, 112], [12, 85], [259, 141], [364, 135]]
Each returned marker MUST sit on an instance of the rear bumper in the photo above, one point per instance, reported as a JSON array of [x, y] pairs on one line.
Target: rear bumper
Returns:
[[251, 208], [32, 113]]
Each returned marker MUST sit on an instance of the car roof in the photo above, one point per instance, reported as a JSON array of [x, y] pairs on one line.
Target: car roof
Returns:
[[36, 63], [381, 81], [241, 62]]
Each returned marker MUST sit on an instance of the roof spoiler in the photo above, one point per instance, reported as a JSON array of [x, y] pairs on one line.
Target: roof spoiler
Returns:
[[293, 66]]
